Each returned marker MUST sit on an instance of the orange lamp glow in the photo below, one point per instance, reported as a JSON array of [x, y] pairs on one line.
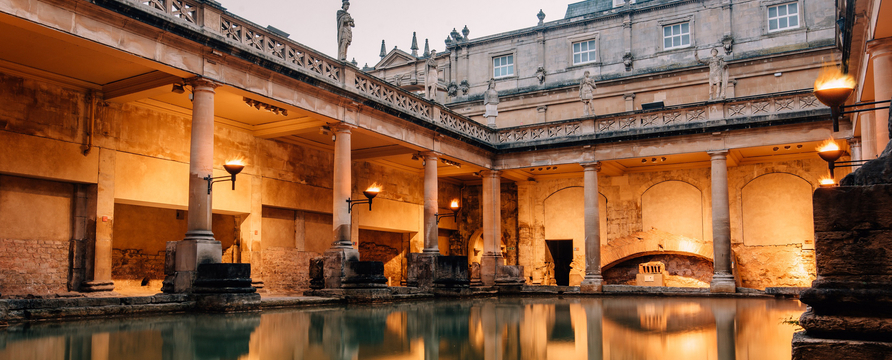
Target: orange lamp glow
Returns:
[[454, 205], [832, 87]]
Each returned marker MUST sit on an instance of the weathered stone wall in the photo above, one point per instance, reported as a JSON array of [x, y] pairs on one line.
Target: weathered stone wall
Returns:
[[134, 264], [472, 222], [286, 270], [36, 224], [36, 267], [386, 247], [779, 265]]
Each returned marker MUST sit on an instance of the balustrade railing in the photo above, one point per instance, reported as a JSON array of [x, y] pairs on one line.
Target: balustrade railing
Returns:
[[293, 54]]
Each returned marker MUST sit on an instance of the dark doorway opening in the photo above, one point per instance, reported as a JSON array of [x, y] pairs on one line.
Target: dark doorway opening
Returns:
[[561, 252]]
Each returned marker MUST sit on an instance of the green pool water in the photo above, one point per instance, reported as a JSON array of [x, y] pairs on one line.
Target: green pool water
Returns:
[[494, 328]]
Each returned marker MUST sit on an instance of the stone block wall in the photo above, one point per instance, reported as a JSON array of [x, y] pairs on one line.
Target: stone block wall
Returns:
[[135, 264], [37, 267], [286, 270]]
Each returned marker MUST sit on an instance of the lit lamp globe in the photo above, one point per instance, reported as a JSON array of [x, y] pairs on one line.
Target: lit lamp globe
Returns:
[[454, 206], [829, 151]]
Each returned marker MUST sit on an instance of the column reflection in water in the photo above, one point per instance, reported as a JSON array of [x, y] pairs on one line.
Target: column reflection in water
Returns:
[[509, 328]]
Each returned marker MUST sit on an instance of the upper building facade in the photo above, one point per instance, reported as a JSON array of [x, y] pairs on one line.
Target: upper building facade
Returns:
[[768, 46]]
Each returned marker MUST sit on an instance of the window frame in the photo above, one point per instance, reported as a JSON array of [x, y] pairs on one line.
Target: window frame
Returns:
[[572, 40], [690, 34], [493, 66], [802, 12], [768, 17]]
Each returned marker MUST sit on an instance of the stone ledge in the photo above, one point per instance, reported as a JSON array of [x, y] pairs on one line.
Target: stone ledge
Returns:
[[806, 347]]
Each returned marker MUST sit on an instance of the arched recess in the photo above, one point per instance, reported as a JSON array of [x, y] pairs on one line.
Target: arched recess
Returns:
[[675, 207], [565, 215], [776, 209], [475, 247]]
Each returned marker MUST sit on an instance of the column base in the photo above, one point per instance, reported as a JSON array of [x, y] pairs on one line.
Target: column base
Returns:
[[420, 272], [189, 254], [723, 284], [334, 261], [591, 284], [488, 267], [97, 286]]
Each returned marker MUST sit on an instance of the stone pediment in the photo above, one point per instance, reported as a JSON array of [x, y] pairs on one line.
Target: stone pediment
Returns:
[[396, 57]]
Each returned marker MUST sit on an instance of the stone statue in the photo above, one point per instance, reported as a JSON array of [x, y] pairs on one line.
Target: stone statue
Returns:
[[433, 76], [345, 30], [491, 101], [587, 93], [718, 74], [540, 74]]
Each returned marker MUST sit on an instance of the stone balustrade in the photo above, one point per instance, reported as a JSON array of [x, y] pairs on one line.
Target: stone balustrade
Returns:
[[256, 39], [730, 111]]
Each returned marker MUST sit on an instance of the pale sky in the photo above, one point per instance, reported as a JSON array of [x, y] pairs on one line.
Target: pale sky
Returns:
[[313, 23]]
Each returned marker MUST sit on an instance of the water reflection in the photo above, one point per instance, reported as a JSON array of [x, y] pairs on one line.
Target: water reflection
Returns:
[[513, 328]]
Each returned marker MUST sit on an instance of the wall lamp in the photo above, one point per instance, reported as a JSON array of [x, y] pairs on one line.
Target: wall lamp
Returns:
[[233, 167], [455, 207], [830, 152], [369, 193], [178, 88], [833, 87]]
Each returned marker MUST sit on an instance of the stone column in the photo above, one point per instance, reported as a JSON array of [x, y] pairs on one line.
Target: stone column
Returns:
[[492, 226], [868, 136], [855, 147], [341, 188], [722, 278], [199, 245], [880, 52], [431, 204], [101, 210], [341, 249], [593, 280]]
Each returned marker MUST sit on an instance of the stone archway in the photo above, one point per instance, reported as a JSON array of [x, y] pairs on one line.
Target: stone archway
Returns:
[[475, 247], [688, 261], [652, 242]]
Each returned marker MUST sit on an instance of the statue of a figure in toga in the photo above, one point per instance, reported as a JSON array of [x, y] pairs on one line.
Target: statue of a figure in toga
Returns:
[[345, 30]]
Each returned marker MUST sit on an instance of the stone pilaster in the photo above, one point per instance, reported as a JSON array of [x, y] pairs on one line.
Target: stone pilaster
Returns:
[[855, 149], [880, 52], [593, 280], [630, 101], [102, 208], [199, 245], [722, 278], [868, 136], [492, 228]]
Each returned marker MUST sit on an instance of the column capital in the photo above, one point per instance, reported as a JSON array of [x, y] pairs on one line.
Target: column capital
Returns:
[[591, 166], [718, 154], [341, 127], [204, 83], [628, 96], [430, 155], [879, 47], [854, 141], [490, 173]]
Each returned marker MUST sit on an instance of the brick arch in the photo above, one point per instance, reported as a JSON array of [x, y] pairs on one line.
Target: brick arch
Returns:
[[652, 242]]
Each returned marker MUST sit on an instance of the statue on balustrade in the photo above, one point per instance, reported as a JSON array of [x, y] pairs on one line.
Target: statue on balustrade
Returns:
[[433, 76], [718, 74], [587, 93], [345, 30]]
